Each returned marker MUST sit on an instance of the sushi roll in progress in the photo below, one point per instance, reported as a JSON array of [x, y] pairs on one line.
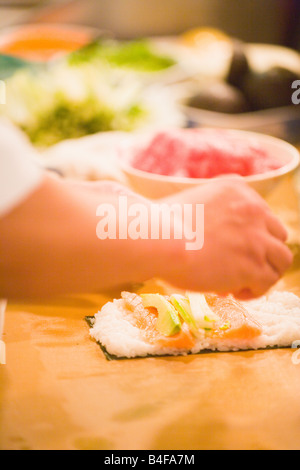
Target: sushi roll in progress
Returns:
[[157, 325]]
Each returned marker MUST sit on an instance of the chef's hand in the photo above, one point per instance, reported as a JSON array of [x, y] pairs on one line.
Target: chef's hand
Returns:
[[244, 250], [243, 253]]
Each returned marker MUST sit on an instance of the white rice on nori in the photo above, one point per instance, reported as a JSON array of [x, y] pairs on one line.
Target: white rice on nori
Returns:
[[279, 315]]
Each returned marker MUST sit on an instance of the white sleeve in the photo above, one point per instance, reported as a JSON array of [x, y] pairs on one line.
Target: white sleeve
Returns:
[[19, 172]]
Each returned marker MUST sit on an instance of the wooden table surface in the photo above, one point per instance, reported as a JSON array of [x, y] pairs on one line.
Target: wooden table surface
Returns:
[[57, 390]]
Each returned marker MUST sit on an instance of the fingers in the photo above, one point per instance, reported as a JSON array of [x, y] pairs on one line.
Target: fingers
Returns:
[[244, 295], [262, 278], [259, 284], [279, 256], [265, 279], [275, 227]]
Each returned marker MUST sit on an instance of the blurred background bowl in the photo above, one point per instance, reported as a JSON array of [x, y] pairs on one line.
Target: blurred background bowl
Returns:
[[283, 123], [43, 42]]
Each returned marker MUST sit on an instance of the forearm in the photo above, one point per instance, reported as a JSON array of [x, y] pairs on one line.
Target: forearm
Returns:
[[49, 246]]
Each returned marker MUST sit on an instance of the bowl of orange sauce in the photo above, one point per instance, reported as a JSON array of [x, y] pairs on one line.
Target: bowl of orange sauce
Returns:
[[44, 42]]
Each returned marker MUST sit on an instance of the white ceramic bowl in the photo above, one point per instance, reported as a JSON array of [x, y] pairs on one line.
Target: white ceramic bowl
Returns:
[[157, 186], [25, 35]]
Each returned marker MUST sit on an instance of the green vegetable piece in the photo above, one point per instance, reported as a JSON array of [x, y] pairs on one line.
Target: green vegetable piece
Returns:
[[182, 305], [204, 317], [168, 322], [226, 326]]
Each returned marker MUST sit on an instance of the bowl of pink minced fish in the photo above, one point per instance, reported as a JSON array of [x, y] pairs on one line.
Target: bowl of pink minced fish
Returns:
[[164, 162]]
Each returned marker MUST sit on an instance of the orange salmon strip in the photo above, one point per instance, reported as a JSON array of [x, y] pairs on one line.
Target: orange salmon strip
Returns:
[[183, 340], [237, 321]]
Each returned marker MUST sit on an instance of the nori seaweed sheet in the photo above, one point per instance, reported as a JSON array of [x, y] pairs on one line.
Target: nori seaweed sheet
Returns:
[[110, 357]]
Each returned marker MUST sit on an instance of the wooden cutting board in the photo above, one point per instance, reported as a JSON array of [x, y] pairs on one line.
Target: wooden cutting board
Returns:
[[58, 391]]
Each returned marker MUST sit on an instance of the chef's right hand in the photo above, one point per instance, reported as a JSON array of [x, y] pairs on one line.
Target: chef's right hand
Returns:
[[244, 250]]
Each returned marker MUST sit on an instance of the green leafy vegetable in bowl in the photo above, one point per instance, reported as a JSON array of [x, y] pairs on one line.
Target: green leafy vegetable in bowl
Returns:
[[62, 102], [137, 55], [67, 119]]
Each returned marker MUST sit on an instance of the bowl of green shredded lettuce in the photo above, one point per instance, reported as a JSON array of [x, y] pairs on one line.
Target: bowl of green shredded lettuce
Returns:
[[64, 101]]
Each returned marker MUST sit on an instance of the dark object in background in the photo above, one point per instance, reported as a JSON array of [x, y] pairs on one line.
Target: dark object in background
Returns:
[[270, 89], [291, 37], [239, 66], [246, 90], [261, 90], [221, 98]]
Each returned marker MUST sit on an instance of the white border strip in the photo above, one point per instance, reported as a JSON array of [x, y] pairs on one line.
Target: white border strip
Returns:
[[3, 304]]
